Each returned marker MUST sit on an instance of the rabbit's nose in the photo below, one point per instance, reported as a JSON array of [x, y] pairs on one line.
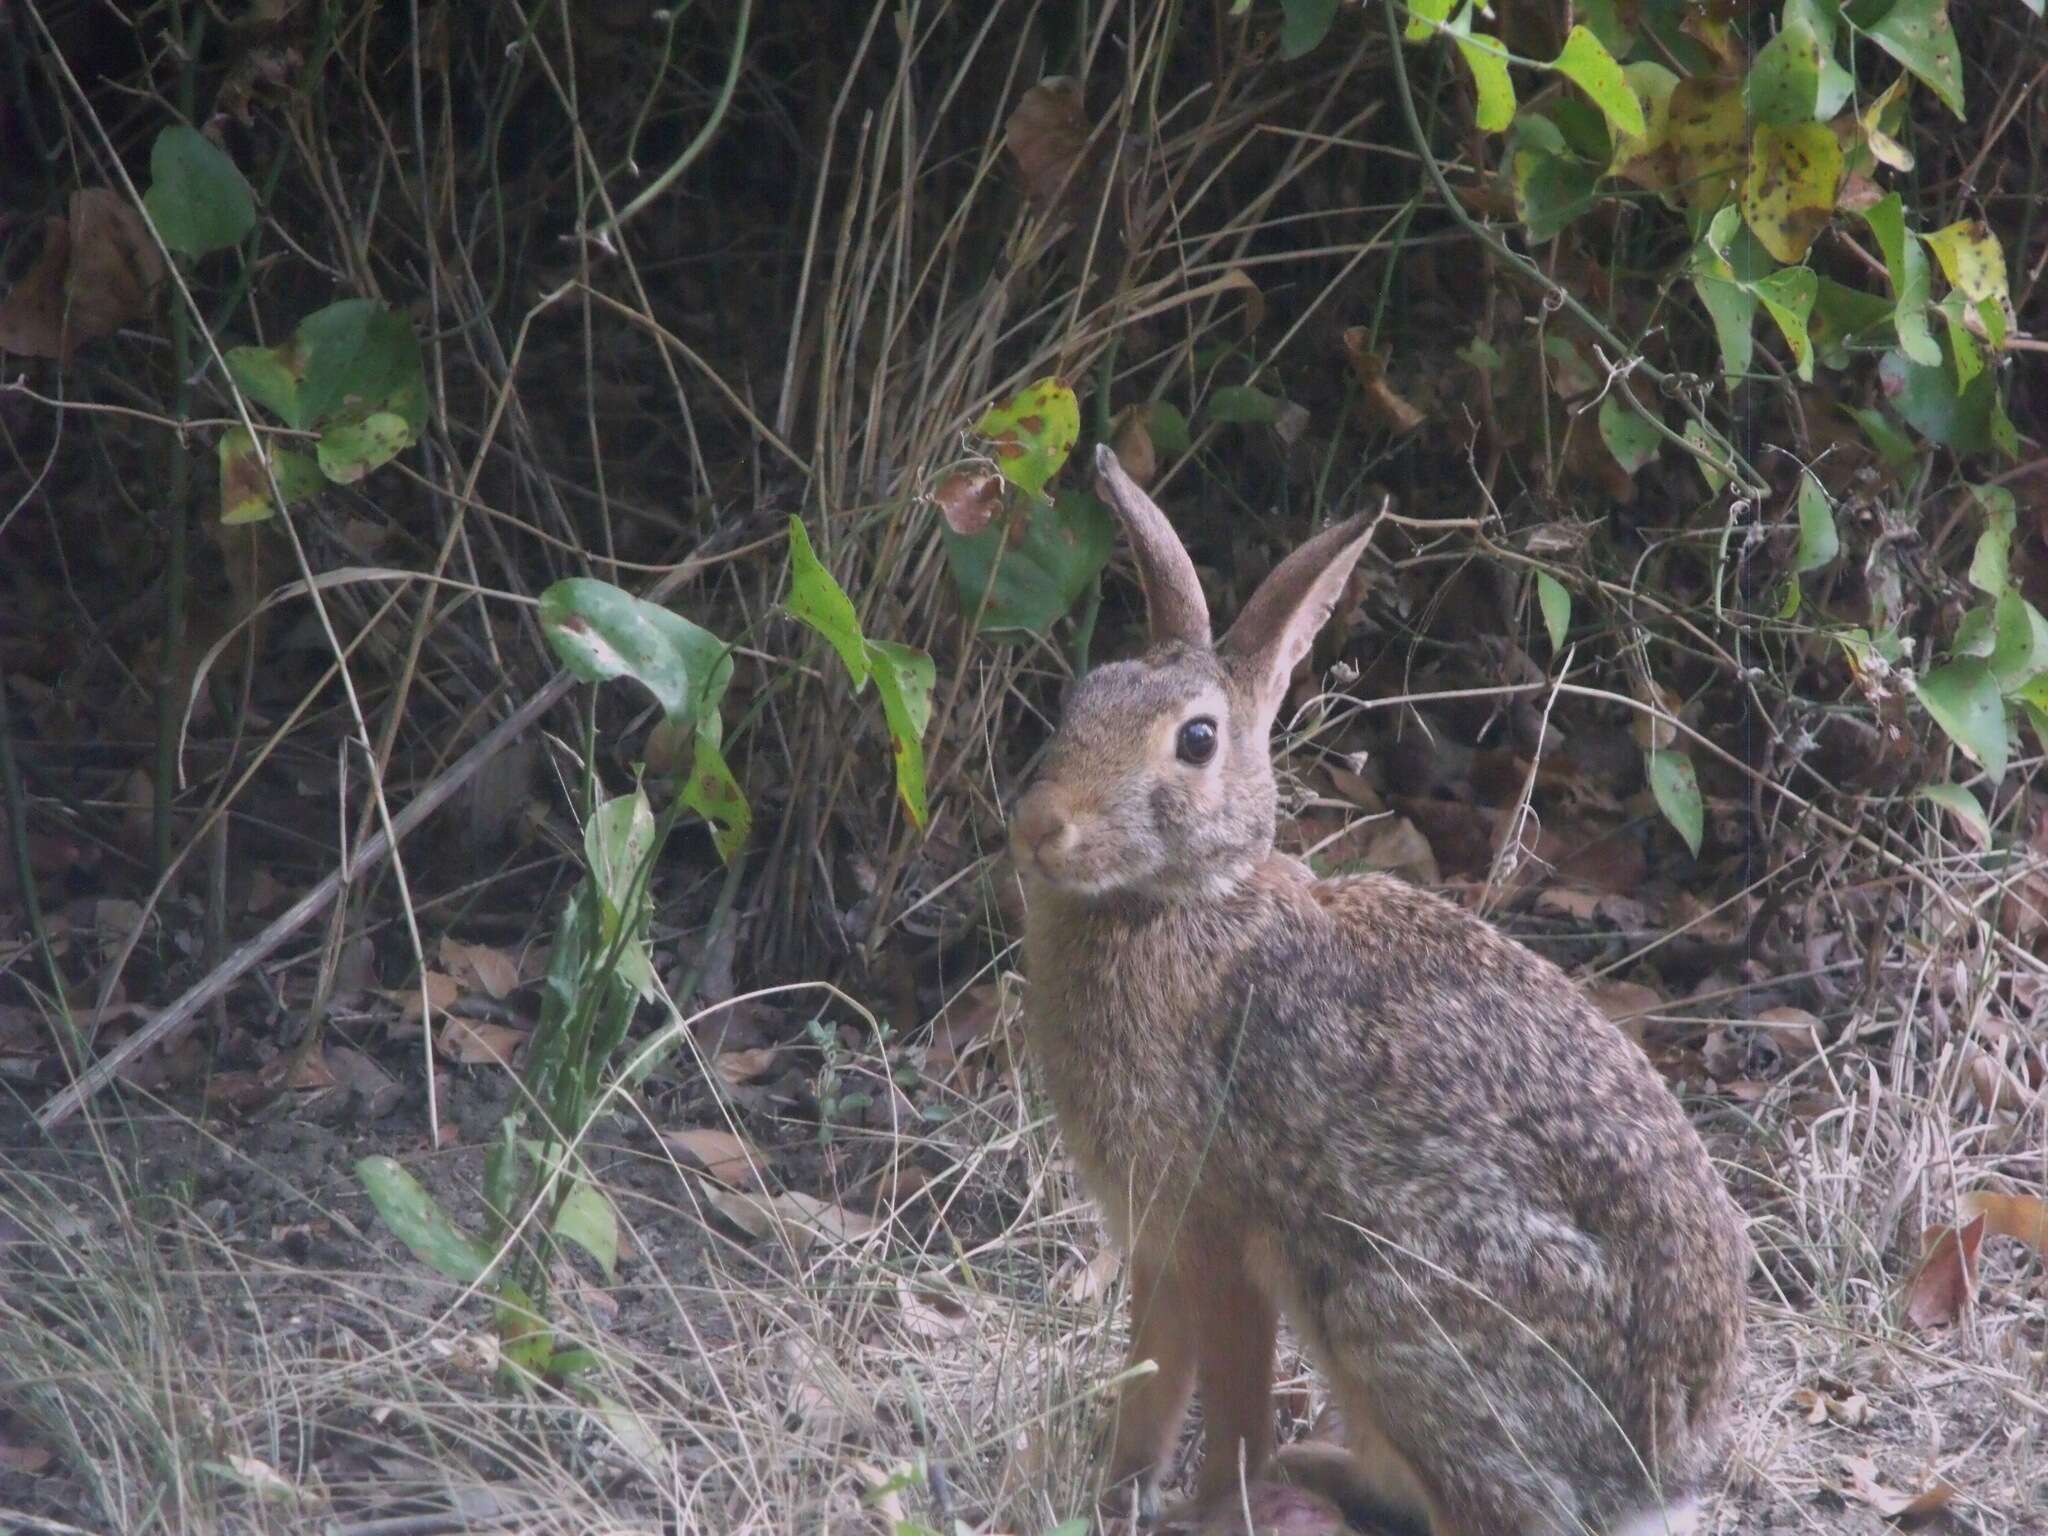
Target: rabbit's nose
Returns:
[[1041, 827]]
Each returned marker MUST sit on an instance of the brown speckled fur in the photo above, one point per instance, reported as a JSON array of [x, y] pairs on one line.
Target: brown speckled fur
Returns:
[[1355, 1103]]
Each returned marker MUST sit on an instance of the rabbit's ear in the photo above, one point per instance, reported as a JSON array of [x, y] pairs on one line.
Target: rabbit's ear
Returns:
[[1173, 597], [1280, 622]]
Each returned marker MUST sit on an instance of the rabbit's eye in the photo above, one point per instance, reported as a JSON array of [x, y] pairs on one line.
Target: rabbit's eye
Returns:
[[1196, 743]]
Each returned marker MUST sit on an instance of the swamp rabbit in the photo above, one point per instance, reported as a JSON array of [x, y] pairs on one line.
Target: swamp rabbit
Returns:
[[1354, 1103]]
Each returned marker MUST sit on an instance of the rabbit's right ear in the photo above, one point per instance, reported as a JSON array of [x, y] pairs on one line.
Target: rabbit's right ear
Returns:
[[1173, 596], [1280, 622]]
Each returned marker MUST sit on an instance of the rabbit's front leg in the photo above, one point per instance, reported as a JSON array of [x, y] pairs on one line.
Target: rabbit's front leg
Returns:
[[1236, 1327], [1164, 1330]]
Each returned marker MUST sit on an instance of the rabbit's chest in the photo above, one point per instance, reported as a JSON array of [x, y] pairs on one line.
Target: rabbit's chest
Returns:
[[1109, 1038]]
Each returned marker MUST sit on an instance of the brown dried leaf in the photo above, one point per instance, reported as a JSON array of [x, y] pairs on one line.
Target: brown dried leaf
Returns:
[[729, 1159], [1046, 136], [480, 968], [436, 988], [1131, 436], [2023, 1217], [97, 271], [745, 1066], [1903, 1509], [1627, 1003], [1944, 1286], [1383, 406], [1091, 1282], [805, 1218], [969, 500], [930, 1315], [476, 1042]]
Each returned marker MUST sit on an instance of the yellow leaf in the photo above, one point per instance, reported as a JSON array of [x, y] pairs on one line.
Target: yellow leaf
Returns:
[[1789, 194]]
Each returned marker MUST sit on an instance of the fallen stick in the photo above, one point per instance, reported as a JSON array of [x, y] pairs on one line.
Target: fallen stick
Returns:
[[247, 956]]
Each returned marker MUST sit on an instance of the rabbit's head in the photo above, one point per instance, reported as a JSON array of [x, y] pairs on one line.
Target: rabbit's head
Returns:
[[1159, 782]]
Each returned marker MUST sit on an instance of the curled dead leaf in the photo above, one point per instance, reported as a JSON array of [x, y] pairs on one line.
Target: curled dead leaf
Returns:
[[480, 968], [1944, 1286], [1383, 406], [1862, 1484], [805, 1219], [2022, 1217], [730, 1159], [477, 1042], [1047, 134], [745, 1066], [969, 500], [98, 270], [1131, 436]]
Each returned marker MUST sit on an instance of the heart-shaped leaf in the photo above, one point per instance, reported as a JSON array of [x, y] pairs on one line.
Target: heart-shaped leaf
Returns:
[[1677, 790], [600, 632], [1031, 433], [1962, 697], [816, 597], [197, 199]]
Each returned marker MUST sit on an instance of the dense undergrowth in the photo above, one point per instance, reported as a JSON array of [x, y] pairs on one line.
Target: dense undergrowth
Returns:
[[1697, 346]]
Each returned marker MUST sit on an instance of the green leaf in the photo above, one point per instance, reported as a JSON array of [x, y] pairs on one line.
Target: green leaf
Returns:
[[600, 632], [1556, 604], [245, 490], [1677, 789], [1962, 346], [1927, 397], [1169, 428], [1586, 62], [1991, 561], [713, 793], [349, 450], [345, 364], [822, 603], [270, 376], [524, 1339], [1706, 456], [904, 678], [417, 1220], [1917, 34], [359, 357], [1303, 24], [1906, 264], [197, 199], [1494, 108], [1788, 296], [1892, 445], [1963, 699], [1039, 558], [1032, 433], [504, 1177], [1633, 441], [1425, 18], [617, 841], [1962, 805], [1242, 404], [1783, 84], [586, 1218], [1733, 310], [1818, 542], [817, 599], [1552, 186], [2021, 651]]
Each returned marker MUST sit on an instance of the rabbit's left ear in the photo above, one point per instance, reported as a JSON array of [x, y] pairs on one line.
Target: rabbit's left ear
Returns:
[[1280, 622], [1173, 594]]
